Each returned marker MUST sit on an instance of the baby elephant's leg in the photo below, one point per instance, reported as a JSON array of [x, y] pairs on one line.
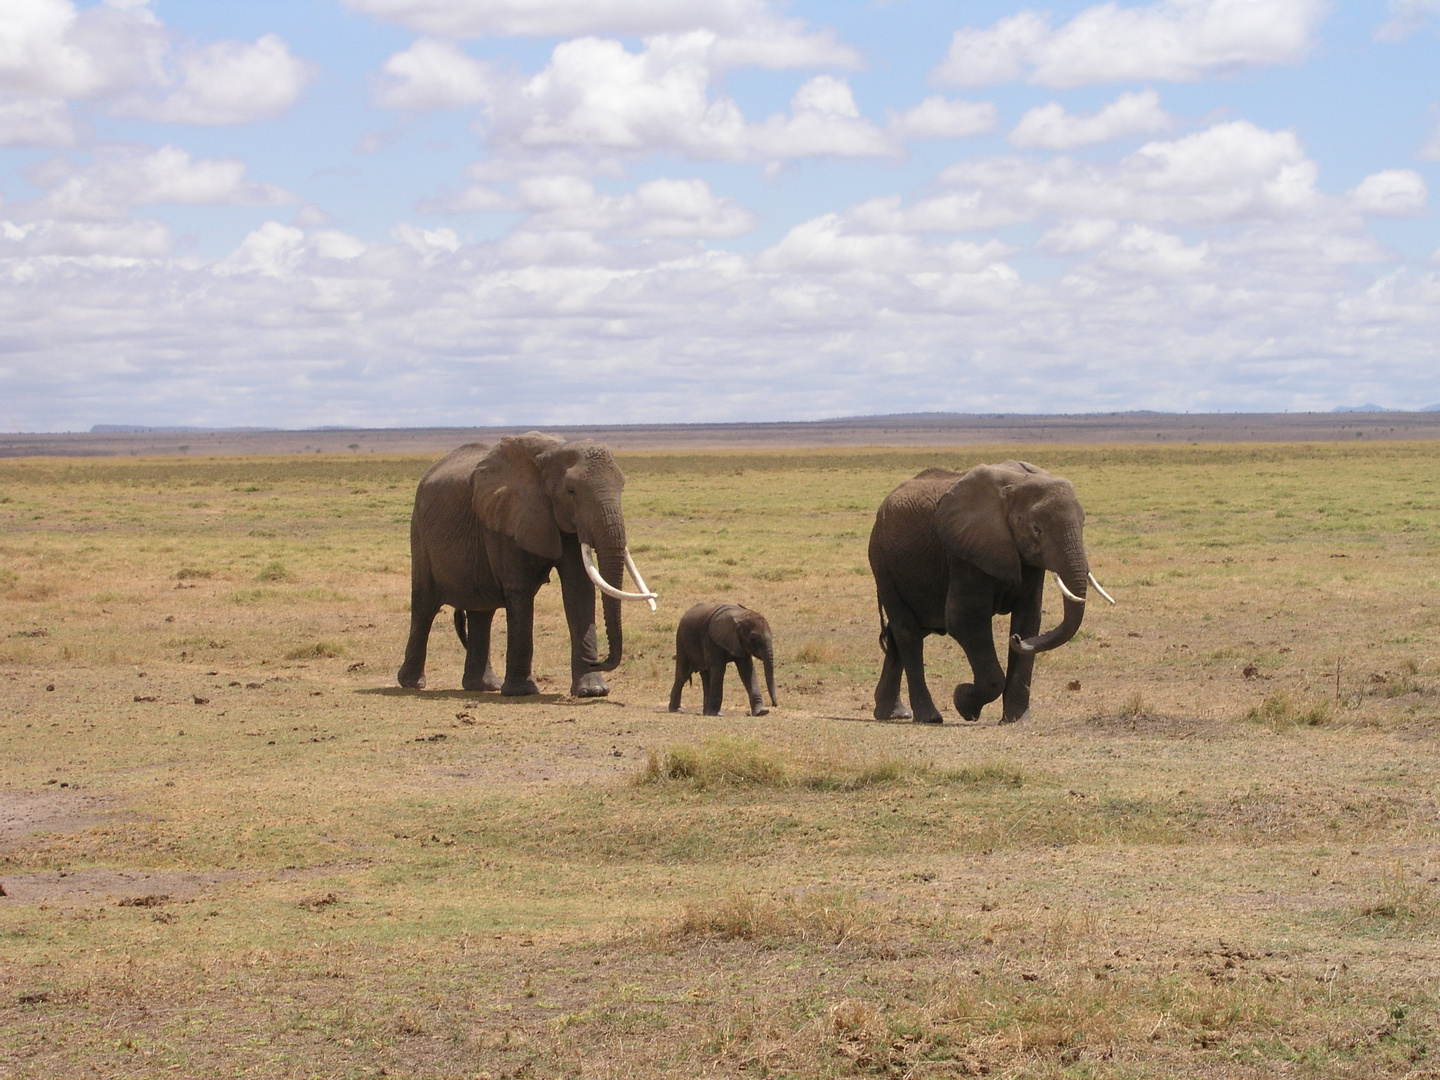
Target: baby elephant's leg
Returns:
[[746, 668]]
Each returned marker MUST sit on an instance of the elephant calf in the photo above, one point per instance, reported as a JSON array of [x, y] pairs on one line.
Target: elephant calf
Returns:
[[712, 635]]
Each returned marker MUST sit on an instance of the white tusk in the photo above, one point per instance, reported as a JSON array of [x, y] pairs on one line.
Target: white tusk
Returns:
[[1068, 594], [1098, 589], [640, 582], [588, 558]]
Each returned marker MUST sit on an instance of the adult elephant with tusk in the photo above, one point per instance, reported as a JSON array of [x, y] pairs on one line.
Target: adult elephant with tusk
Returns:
[[489, 524], [950, 551]]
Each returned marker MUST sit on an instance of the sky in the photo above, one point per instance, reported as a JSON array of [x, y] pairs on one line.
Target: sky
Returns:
[[398, 213]]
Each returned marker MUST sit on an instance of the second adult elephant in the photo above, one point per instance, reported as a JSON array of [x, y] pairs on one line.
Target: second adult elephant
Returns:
[[490, 523], [950, 551]]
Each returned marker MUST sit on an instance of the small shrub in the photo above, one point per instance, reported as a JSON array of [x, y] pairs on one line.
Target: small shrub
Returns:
[[811, 652], [1280, 712], [321, 650], [273, 571], [1134, 706], [719, 761], [1403, 899], [827, 917]]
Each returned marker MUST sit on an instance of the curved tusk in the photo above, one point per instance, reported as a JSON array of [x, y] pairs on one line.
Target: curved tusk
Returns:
[[640, 582], [1098, 589], [1068, 594], [588, 558]]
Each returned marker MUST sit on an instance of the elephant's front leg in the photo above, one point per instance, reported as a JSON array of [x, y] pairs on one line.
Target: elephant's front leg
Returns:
[[479, 675], [968, 620], [1024, 621], [579, 597], [745, 668], [519, 644]]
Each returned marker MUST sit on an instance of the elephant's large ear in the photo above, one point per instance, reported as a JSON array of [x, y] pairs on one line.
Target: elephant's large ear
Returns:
[[509, 494], [973, 524], [724, 629]]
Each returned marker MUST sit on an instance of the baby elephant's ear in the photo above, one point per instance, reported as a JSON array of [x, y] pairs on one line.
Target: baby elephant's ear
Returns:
[[974, 525], [725, 630]]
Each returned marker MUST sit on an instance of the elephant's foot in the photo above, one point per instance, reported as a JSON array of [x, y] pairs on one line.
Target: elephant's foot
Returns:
[[488, 682], [930, 718], [759, 710], [1008, 719], [969, 701], [712, 712], [591, 684], [411, 680], [519, 687], [894, 711]]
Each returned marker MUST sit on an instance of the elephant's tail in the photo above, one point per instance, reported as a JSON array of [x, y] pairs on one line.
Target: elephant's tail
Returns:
[[460, 627], [887, 636]]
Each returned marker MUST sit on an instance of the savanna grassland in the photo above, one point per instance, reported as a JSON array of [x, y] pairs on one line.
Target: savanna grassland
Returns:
[[230, 846]]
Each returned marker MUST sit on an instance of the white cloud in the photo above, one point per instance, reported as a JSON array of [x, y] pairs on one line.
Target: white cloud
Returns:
[[822, 245], [1407, 17], [938, 117], [1144, 252], [1172, 40], [1050, 127], [120, 54], [824, 120], [127, 239], [597, 95], [121, 179], [658, 208], [1078, 235], [228, 82], [433, 75], [565, 18], [26, 121], [1430, 150], [49, 49], [1391, 193]]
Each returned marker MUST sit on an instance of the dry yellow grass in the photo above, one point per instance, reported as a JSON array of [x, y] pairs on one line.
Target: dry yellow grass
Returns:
[[231, 846]]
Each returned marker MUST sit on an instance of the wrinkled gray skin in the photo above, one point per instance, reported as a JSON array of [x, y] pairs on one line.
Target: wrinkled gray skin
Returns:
[[952, 550], [490, 523], [712, 635]]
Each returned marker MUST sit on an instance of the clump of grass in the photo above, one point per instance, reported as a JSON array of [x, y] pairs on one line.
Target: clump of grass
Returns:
[[994, 773], [1281, 712], [320, 650], [828, 917], [273, 571], [725, 761], [187, 573], [716, 762], [1403, 898], [1134, 707], [812, 652]]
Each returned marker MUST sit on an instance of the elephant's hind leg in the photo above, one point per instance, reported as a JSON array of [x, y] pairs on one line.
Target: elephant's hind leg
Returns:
[[713, 684], [479, 675], [888, 705], [682, 676], [423, 609]]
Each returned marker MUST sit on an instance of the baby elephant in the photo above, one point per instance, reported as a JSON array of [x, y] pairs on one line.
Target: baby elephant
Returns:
[[712, 635]]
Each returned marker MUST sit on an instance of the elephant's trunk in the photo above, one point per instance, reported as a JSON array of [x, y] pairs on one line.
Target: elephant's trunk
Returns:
[[610, 561], [1072, 571], [770, 678]]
